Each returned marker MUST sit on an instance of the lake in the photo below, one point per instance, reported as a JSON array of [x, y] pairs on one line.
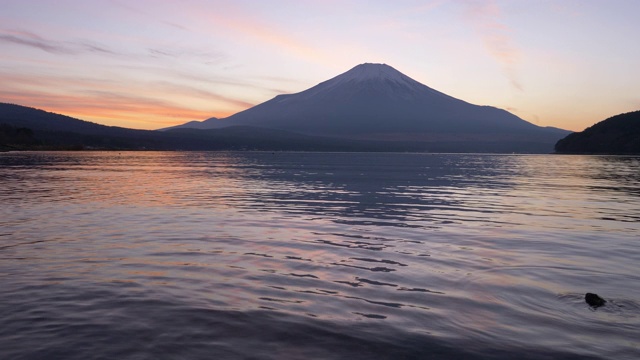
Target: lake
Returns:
[[249, 255]]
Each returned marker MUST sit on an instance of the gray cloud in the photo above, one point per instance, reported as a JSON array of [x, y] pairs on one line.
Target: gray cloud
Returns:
[[95, 48], [35, 41], [206, 57], [83, 46]]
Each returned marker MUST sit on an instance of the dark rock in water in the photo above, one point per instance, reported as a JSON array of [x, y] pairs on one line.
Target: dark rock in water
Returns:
[[594, 300]]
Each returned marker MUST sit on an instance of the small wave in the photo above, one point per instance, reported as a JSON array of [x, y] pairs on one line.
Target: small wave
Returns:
[[420, 290], [371, 316], [390, 262]]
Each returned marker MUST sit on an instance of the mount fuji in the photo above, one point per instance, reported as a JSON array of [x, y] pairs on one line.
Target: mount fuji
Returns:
[[377, 102]]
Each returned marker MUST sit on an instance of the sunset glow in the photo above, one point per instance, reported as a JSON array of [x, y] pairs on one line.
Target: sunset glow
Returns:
[[152, 64]]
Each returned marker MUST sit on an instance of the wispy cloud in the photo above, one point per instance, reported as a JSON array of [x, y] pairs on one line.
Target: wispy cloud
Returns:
[[87, 46], [205, 57], [254, 29], [83, 46], [29, 39], [141, 12], [192, 91], [250, 84], [485, 17]]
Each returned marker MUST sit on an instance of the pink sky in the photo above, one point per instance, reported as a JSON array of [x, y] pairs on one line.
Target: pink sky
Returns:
[[151, 64]]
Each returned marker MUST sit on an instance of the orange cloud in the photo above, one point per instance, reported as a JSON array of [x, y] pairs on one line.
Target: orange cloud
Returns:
[[117, 102], [485, 16], [110, 109], [238, 21]]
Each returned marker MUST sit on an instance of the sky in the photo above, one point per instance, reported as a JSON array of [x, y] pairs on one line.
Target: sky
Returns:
[[149, 64]]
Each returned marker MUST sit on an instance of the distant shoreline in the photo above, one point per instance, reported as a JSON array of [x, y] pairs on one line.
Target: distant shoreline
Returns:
[[9, 148]]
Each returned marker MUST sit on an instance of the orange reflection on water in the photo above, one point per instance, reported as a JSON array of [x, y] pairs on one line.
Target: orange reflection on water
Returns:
[[156, 179]]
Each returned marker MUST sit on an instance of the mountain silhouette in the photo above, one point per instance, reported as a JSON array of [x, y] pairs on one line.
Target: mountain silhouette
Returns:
[[26, 128], [372, 107], [377, 102], [210, 123], [36, 119], [55, 131]]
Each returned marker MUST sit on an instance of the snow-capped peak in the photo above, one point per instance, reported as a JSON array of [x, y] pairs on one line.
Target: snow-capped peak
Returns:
[[379, 72], [364, 73], [372, 71]]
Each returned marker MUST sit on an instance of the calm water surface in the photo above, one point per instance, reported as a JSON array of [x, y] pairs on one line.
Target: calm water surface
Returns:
[[152, 255]]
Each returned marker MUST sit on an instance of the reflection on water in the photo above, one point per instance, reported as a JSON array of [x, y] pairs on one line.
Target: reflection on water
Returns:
[[311, 255]]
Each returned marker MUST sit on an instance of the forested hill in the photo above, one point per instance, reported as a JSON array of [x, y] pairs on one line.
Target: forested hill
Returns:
[[619, 134]]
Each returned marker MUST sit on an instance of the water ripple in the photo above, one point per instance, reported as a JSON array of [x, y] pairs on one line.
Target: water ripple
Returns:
[[308, 255]]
